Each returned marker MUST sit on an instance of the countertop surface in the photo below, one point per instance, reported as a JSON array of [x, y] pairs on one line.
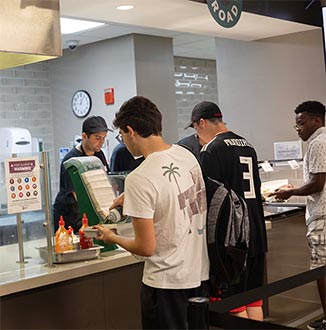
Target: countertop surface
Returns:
[[17, 277], [278, 208]]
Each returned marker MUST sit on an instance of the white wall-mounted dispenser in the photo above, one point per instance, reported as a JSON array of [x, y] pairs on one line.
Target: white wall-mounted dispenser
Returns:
[[15, 140]]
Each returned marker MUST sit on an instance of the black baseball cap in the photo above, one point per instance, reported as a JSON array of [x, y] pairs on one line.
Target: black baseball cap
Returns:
[[205, 110], [95, 124]]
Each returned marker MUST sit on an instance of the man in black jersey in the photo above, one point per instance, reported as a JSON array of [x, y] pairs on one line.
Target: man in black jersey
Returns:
[[231, 159], [94, 132]]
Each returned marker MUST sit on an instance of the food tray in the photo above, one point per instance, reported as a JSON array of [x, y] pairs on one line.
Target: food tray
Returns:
[[71, 256]]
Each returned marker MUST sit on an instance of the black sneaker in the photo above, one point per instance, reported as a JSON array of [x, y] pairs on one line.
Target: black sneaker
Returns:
[[317, 324], [322, 326]]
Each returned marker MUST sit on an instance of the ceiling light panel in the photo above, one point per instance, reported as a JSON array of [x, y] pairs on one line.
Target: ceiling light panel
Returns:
[[69, 25], [125, 7]]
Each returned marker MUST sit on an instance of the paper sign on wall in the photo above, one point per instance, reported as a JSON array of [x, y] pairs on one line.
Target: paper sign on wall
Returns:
[[288, 150], [23, 184], [62, 152]]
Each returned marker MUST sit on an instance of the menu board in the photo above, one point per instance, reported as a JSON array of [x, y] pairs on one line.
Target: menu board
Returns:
[[23, 184]]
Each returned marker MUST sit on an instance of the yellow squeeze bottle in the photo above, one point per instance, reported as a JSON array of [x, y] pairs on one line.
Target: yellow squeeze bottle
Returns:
[[61, 237]]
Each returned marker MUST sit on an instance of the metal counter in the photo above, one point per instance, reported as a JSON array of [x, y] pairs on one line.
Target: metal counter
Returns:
[[281, 209]]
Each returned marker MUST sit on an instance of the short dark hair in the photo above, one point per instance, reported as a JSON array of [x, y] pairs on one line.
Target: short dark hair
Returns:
[[141, 114], [313, 108]]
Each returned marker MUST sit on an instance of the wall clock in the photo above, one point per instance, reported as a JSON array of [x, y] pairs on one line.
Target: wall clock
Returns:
[[81, 103]]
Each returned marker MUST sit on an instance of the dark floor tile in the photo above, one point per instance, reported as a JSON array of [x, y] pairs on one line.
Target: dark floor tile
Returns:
[[289, 255], [307, 293], [283, 310]]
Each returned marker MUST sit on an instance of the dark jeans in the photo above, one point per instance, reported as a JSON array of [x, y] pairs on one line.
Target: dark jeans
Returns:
[[167, 308]]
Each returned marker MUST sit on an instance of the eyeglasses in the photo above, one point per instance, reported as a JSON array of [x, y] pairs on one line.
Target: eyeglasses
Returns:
[[119, 138], [298, 126]]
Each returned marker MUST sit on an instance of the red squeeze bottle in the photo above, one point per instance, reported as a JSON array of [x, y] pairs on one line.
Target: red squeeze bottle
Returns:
[[84, 241]]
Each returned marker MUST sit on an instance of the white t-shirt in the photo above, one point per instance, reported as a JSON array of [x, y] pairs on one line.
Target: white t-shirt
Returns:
[[315, 162], [168, 187]]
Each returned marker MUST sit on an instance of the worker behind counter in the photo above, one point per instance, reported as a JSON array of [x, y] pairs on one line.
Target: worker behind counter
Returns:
[[94, 132], [122, 160]]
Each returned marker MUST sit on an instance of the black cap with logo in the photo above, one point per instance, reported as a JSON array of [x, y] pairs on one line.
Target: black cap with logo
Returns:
[[95, 124], [205, 110]]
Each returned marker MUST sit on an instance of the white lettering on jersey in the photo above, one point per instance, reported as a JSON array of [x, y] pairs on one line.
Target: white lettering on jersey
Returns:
[[248, 176], [237, 143]]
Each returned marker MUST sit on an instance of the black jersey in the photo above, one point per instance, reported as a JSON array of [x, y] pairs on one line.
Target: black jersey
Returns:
[[231, 159]]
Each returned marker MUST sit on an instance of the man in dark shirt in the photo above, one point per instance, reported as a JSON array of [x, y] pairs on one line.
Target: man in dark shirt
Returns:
[[193, 143], [232, 160], [122, 160], [94, 132]]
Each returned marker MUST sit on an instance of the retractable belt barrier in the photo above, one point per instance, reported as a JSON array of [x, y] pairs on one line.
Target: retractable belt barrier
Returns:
[[217, 309]]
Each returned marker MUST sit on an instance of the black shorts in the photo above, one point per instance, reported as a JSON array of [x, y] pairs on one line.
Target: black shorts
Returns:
[[255, 271], [253, 276], [167, 308]]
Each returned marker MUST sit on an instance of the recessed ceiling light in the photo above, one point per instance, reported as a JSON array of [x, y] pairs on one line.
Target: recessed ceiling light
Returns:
[[125, 7], [69, 25]]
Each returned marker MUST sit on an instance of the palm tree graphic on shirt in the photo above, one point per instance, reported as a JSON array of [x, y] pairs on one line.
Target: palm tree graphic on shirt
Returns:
[[172, 172]]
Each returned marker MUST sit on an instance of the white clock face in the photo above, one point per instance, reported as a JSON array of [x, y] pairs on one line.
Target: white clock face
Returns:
[[81, 103]]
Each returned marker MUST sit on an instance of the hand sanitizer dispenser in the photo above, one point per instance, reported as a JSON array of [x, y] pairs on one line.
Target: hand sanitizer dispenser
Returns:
[[15, 140]]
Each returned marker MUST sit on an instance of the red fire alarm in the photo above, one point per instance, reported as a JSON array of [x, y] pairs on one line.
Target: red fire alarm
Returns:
[[109, 96]]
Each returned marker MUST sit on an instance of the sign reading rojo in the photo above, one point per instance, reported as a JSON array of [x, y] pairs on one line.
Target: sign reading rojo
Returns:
[[225, 12]]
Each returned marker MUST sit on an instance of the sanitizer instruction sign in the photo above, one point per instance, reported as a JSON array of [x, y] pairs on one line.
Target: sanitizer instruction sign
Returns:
[[23, 184]]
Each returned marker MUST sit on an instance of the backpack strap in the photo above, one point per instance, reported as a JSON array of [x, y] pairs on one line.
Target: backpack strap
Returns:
[[219, 278]]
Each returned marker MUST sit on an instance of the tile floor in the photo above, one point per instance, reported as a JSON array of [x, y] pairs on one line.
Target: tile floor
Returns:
[[288, 255]]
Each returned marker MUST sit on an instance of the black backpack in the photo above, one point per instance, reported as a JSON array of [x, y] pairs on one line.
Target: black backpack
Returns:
[[227, 238]]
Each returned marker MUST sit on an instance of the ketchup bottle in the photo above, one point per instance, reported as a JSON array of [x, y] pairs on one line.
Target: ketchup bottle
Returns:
[[84, 241]]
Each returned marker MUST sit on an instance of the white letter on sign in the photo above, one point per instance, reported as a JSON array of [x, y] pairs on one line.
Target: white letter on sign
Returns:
[[215, 6], [222, 15], [234, 10], [230, 19]]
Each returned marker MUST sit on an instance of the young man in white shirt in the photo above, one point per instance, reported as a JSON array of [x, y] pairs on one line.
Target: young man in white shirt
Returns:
[[166, 199]]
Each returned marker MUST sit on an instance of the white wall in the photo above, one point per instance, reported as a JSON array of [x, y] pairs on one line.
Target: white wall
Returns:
[[261, 83]]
